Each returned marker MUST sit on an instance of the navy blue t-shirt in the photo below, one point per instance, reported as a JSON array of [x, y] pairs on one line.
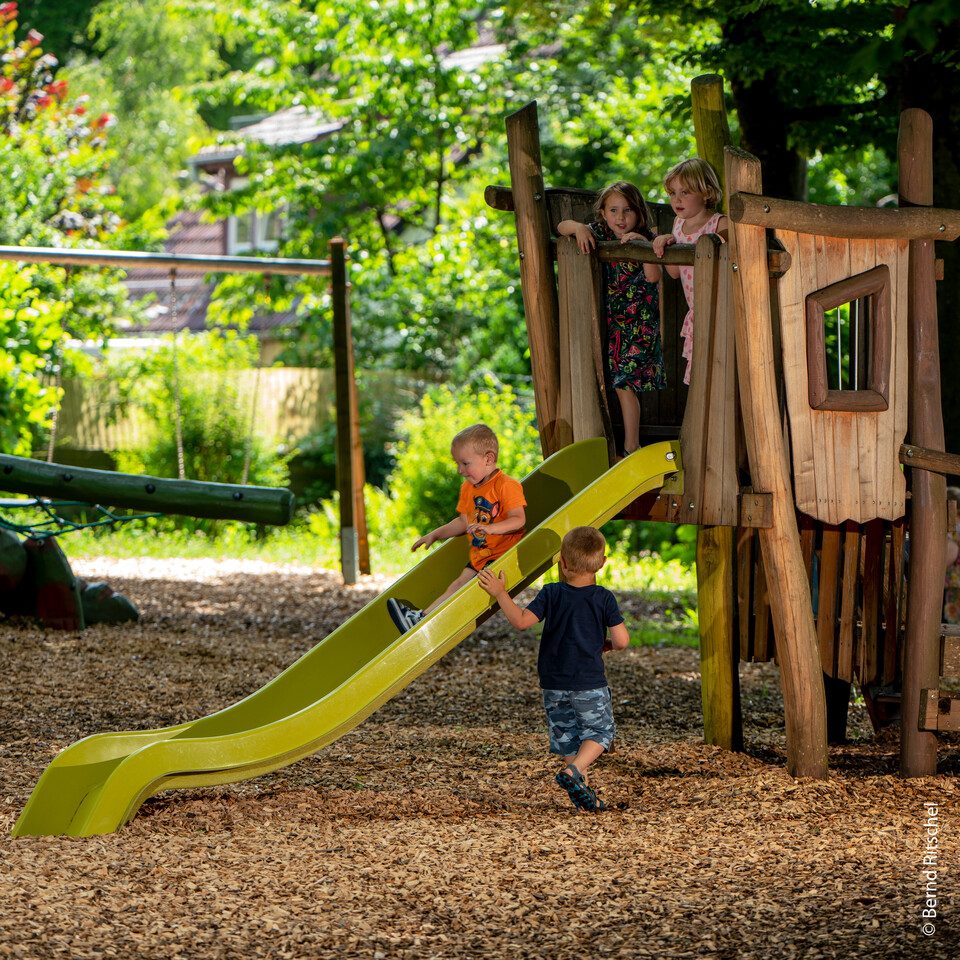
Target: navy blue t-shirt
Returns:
[[575, 623]]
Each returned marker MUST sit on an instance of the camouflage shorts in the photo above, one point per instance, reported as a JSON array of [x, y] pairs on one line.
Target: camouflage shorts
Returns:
[[577, 715]]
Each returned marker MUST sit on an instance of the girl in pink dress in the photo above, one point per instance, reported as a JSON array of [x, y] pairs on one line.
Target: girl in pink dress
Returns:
[[695, 194]]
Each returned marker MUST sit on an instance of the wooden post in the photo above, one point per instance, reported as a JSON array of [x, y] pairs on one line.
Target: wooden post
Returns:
[[537, 278], [928, 517], [710, 121], [583, 400], [354, 551], [716, 546], [719, 673], [797, 650]]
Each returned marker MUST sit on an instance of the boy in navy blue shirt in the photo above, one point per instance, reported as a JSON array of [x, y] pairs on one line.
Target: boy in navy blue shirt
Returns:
[[577, 615]]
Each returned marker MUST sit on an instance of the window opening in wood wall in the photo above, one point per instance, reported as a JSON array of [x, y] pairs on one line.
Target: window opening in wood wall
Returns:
[[848, 343]]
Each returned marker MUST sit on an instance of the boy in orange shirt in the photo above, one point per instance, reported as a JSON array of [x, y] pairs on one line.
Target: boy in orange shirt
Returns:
[[489, 511]]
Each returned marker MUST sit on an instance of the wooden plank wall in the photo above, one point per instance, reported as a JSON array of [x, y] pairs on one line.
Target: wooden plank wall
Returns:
[[845, 464], [708, 437], [856, 573]]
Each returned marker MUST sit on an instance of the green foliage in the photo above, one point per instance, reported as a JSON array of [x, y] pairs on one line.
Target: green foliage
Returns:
[[381, 400], [138, 69], [424, 485], [214, 411], [454, 307], [670, 541], [64, 33], [30, 327], [601, 104], [53, 158], [862, 176]]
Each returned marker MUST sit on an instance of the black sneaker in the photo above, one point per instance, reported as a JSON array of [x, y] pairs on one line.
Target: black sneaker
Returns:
[[403, 616], [583, 797]]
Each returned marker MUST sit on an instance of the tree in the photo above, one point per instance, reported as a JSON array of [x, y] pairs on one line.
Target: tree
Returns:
[[392, 180], [138, 68], [52, 159], [66, 33], [421, 136], [928, 38]]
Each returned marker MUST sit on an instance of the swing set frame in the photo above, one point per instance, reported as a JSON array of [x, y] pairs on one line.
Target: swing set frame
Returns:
[[197, 498]]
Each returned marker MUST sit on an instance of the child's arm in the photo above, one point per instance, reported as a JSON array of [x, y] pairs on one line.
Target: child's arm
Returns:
[[660, 243], [514, 520], [497, 588], [619, 637], [586, 241], [722, 228], [455, 528], [650, 270]]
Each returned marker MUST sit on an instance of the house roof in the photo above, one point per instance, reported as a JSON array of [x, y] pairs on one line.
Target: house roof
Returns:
[[298, 124], [193, 291], [295, 125]]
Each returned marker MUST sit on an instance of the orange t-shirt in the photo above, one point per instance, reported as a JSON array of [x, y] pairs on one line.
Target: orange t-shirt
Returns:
[[487, 503]]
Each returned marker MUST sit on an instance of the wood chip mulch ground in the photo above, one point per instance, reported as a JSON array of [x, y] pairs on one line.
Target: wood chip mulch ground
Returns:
[[435, 830]]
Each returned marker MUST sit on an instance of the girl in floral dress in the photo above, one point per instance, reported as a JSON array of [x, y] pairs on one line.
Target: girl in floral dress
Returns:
[[632, 298], [695, 193]]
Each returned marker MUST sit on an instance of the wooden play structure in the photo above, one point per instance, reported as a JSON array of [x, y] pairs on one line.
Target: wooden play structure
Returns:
[[816, 546]]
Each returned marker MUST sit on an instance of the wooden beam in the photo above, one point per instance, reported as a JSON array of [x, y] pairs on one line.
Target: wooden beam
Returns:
[[928, 510], [798, 654], [850, 223], [938, 712], [537, 278], [719, 655], [715, 386], [922, 458], [129, 259], [639, 251], [950, 651], [500, 197]]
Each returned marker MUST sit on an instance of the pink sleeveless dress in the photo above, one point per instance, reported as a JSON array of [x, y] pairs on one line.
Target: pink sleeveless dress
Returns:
[[686, 280]]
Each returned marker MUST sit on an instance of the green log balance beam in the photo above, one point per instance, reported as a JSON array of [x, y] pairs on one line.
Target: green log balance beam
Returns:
[[190, 498]]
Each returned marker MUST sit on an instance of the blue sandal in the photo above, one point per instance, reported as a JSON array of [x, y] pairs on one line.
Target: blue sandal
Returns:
[[583, 797]]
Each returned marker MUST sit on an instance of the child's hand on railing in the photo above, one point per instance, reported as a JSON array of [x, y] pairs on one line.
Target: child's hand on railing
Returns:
[[662, 242]]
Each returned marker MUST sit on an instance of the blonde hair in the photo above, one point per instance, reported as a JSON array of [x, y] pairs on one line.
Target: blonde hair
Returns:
[[632, 195], [480, 437], [583, 548], [953, 493], [698, 177]]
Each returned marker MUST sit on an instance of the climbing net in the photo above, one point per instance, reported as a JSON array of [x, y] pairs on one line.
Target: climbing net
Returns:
[[52, 522]]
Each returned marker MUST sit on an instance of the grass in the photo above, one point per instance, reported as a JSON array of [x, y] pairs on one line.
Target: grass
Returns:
[[668, 630]]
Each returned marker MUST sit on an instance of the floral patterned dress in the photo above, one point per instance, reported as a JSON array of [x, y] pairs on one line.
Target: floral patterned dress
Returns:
[[686, 280], [634, 351]]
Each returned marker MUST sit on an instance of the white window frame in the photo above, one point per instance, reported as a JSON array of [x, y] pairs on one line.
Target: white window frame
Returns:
[[259, 225]]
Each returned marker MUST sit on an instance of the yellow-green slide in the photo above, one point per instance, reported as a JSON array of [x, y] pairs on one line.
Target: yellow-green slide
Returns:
[[97, 784]]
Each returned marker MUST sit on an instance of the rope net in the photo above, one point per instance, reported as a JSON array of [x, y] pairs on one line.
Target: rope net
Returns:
[[52, 523]]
